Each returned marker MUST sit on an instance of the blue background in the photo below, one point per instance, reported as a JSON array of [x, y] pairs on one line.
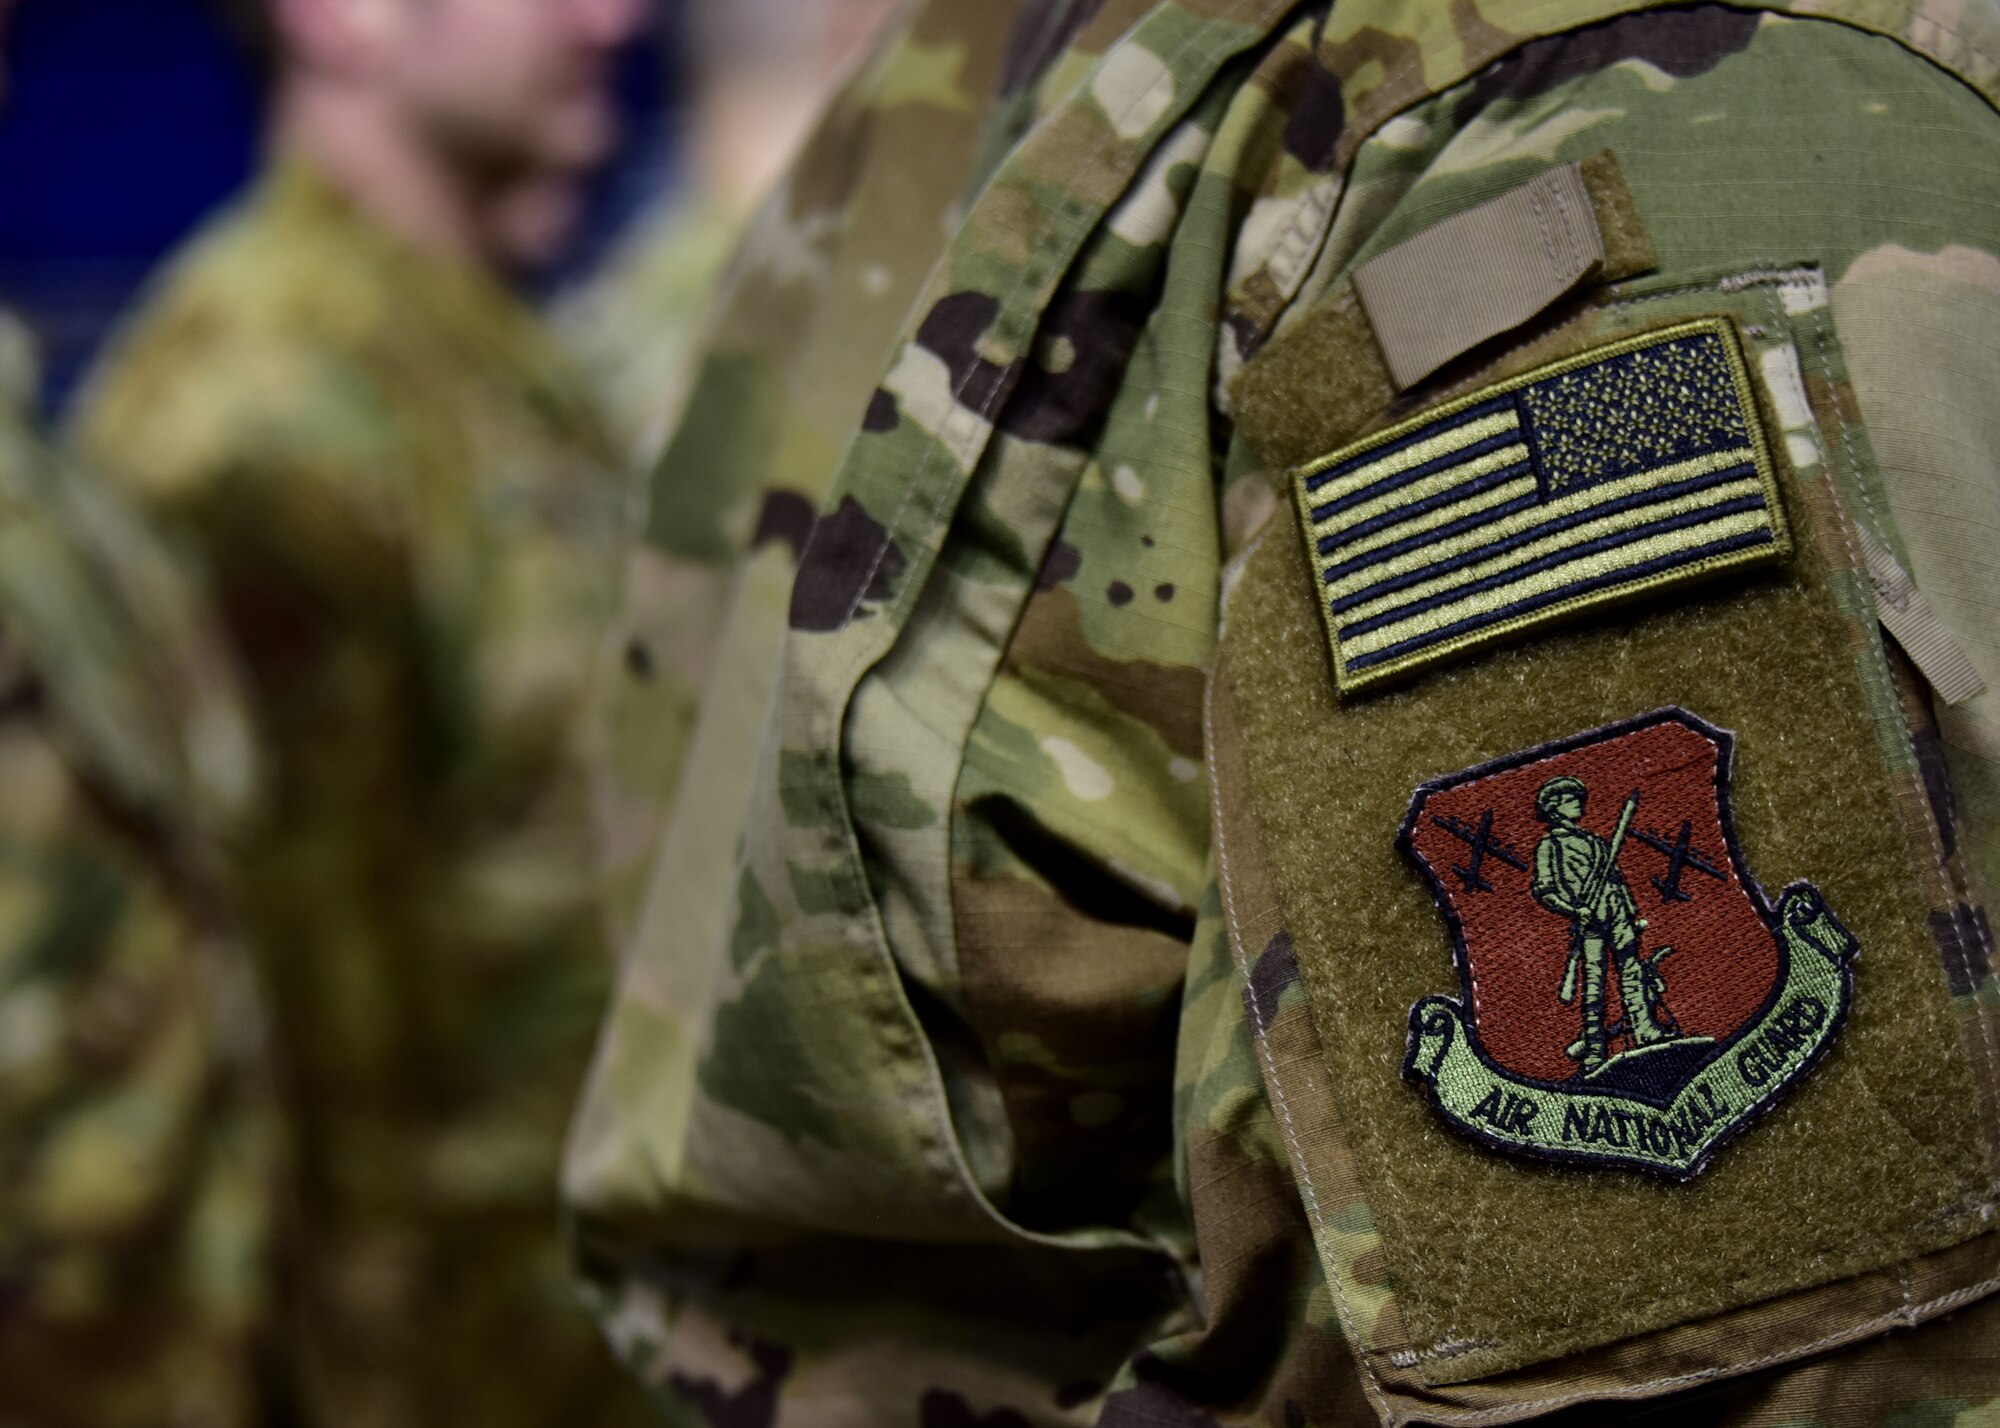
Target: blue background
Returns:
[[126, 121]]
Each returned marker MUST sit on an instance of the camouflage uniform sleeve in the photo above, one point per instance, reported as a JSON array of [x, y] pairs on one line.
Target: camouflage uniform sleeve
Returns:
[[1716, 168], [1003, 1011], [634, 325], [138, 1144]]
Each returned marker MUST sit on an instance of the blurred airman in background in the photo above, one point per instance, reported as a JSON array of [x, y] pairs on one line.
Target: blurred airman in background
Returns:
[[407, 510]]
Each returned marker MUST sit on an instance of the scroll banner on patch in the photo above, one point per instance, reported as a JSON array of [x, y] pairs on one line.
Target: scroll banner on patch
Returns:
[[1742, 1079]]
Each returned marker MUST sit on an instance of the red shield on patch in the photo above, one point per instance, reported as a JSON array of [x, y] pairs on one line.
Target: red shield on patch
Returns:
[[1607, 930]]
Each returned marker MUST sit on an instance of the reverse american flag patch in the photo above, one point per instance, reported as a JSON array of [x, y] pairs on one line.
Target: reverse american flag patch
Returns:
[[1627, 468]]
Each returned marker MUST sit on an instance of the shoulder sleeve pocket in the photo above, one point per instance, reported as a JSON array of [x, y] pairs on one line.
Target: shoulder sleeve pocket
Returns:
[[1619, 936]]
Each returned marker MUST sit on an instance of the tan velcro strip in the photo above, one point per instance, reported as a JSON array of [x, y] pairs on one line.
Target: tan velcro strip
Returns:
[[1907, 615], [1480, 272], [1322, 380]]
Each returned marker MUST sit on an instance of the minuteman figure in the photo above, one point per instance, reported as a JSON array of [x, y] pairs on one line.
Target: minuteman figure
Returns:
[[1576, 875]]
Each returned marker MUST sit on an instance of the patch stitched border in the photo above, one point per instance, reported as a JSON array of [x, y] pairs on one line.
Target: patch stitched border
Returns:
[[1627, 468], [1711, 1045]]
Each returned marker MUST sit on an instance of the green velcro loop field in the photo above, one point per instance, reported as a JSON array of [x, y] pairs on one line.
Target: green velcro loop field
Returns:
[[1876, 1154]]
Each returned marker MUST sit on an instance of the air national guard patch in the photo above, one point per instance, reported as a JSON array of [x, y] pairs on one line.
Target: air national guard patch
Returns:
[[1628, 468], [1630, 996]]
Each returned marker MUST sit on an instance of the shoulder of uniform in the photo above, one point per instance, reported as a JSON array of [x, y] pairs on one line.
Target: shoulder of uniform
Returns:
[[175, 405], [247, 353]]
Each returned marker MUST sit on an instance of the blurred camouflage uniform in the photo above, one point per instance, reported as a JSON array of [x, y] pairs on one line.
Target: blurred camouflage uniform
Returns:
[[408, 515], [990, 1092], [137, 1147], [633, 324], [634, 328]]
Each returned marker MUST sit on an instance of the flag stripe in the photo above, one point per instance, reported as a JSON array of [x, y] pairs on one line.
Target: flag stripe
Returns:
[[1620, 550], [1396, 479], [1398, 513], [1440, 525], [1553, 551], [1528, 605], [1504, 543], [1376, 559], [1424, 434], [1408, 494]]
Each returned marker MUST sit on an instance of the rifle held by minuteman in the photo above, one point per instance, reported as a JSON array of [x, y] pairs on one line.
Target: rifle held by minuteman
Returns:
[[1593, 891]]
